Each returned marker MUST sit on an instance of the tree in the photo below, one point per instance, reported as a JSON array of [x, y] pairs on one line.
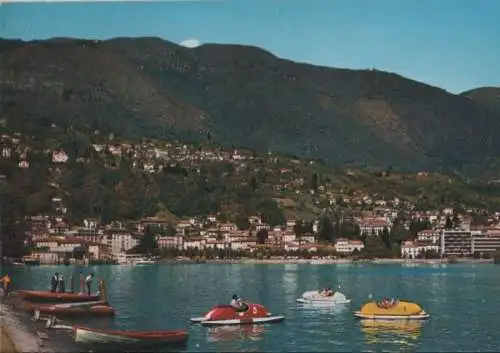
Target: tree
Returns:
[[148, 243], [386, 238], [417, 226], [479, 219], [298, 229], [170, 231], [242, 222], [449, 223], [262, 236], [398, 233], [325, 231], [12, 224], [496, 256], [455, 221], [314, 182], [253, 183]]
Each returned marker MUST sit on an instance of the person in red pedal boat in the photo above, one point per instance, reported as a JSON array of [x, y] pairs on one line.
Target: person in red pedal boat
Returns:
[[237, 304]]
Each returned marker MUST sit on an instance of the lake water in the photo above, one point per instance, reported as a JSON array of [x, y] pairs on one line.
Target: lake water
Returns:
[[463, 301]]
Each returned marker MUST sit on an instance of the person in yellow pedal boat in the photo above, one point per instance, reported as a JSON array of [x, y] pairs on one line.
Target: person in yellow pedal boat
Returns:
[[5, 284]]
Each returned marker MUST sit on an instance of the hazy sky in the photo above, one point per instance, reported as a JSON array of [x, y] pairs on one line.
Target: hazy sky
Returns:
[[453, 44]]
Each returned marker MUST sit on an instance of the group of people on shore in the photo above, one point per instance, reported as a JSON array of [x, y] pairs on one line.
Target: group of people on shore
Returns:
[[58, 284]]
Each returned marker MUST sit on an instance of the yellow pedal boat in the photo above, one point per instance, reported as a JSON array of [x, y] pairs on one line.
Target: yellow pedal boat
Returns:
[[391, 310]]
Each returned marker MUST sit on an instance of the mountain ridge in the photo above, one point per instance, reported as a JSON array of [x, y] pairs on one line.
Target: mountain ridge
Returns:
[[486, 96], [246, 96]]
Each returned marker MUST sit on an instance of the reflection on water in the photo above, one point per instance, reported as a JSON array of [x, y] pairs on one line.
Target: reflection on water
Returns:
[[235, 333], [290, 284], [397, 332]]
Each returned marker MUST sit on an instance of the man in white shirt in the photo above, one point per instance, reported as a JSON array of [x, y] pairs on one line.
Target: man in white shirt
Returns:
[[88, 281], [236, 302]]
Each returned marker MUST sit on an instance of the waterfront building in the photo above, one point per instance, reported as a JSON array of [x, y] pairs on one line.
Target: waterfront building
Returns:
[[456, 242]]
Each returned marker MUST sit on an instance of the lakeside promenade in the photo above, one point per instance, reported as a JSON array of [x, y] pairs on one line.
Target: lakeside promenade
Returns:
[[272, 261]]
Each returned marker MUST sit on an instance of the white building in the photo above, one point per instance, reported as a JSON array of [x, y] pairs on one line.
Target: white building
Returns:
[[121, 241], [456, 242], [411, 250], [346, 246]]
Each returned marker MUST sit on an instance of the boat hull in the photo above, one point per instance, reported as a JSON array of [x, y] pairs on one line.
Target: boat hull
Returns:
[[88, 336], [57, 297], [69, 311], [315, 297], [323, 302], [422, 316], [245, 321]]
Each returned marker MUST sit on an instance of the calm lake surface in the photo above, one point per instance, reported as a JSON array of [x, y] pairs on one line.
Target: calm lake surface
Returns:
[[463, 301]]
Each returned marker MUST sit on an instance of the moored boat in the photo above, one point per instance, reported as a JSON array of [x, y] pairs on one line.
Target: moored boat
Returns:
[[321, 298], [228, 315], [391, 310], [99, 308], [146, 262], [93, 336], [47, 296]]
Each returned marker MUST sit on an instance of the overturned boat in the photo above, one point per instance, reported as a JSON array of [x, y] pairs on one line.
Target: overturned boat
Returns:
[[323, 298], [227, 315], [391, 310]]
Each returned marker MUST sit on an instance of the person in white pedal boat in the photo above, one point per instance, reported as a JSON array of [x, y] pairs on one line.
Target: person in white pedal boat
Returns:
[[327, 292]]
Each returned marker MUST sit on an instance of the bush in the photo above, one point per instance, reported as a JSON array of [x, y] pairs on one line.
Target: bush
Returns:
[[496, 257]]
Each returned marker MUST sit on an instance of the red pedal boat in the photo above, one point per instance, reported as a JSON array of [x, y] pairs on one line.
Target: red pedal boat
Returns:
[[228, 315], [93, 336], [47, 296]]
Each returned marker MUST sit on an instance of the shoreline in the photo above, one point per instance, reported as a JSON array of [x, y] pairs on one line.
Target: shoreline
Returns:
[[279, 261], [21, 336], [380, 261], [27, 335]]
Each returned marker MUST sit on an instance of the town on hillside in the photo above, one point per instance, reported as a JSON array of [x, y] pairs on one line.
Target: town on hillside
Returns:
[[51, 240], [345, 222]]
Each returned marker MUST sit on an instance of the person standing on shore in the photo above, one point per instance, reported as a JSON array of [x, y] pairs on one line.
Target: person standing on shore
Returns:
[[82, 282], [62, 286], [72, 284], [88, 280], [54, 281], [5, 284]]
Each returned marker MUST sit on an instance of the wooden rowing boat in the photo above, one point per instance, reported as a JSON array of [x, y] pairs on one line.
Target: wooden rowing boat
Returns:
[[47, 296], [93, 336], [100, 308]]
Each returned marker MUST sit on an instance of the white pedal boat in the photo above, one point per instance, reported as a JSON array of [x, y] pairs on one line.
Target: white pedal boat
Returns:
[[314, 297]]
